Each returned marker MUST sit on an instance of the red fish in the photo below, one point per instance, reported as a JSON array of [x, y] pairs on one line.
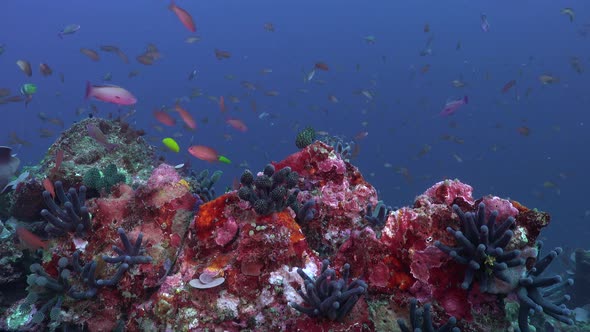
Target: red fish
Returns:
[[452, 106], [59, 158], [145, 59], [186, 117], [204, 153], [48, 185], [524, 131], [508, 86], [321, 66], [45, 69], [237, 124], [92, 54], [222, 105], [185, 18], [29, 239], [164, 118]]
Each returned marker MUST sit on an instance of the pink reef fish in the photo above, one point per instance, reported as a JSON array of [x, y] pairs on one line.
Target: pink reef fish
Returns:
[[185, 18], [452, 106], [100, 137], [110, 94]]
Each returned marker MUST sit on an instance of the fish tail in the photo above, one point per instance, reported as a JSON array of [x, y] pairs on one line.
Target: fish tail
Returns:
[[465, 99], [88, 89]]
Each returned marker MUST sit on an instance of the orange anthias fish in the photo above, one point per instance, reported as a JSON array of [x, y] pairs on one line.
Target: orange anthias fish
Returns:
[[322, 66], [185, 18], [29, 239], [204, 153], [220, 54], [164, 118], [222, 105], [269, 27], [48, 185], [186, 117], [524, 131], [45, 69], [237, 124], [508, 86], [92, 54], [59, 158]]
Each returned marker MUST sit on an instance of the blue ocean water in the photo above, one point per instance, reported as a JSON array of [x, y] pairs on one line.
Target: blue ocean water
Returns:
[[409, 145]]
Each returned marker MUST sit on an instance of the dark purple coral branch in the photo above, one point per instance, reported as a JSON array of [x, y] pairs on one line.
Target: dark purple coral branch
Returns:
[[543, 294], [481, 245], [327, 296]]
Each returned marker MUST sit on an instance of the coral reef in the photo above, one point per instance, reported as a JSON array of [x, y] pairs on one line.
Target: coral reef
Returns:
[[79, 153], [256, 258]]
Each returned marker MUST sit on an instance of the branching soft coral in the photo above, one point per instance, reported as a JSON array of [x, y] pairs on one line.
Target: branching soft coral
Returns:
[[73, 217], [481, 246], [270, 192], [543, 294], [421, 320], [377, 215], [131, 254], [327, 296]]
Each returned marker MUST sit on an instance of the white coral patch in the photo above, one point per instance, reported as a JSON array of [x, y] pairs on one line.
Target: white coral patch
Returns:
[[284, 276], [266, 298], [228, 302]]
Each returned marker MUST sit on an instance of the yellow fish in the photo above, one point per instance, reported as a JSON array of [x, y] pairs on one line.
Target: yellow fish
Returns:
[[171, 144], [184, 183]]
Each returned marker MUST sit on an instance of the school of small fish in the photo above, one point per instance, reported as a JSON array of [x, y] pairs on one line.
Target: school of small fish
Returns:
[[318, 71]]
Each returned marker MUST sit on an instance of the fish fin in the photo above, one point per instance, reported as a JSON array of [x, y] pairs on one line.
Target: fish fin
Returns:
[[88, 89], [465, 99], [60, 35], [171, 5]]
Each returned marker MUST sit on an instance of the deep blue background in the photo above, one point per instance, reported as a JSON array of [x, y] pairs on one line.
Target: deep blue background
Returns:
[[402, 119]]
